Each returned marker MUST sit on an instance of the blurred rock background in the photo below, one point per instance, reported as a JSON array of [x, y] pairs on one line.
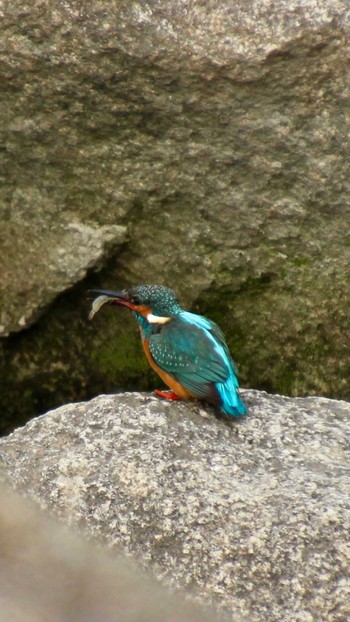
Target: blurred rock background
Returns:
[[197, 144], [48, 573]]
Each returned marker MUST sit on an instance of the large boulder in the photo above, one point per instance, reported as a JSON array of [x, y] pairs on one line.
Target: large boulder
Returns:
[[252, 514], [201, 145], [50, 574]]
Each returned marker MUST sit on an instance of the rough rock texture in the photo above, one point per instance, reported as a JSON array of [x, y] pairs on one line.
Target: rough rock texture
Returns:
[[48, 574], [219, 136], [253, 514], [57, 260]]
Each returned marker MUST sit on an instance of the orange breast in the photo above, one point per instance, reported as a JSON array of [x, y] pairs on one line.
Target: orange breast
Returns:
[[171, 382]]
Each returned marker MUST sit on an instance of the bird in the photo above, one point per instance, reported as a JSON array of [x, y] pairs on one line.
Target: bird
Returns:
[[188, 351]]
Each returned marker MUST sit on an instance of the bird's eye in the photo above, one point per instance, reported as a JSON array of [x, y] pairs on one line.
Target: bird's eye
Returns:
[[136, 300]]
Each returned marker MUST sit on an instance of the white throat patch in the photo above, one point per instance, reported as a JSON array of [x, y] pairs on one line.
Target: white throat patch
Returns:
[[156, 319]]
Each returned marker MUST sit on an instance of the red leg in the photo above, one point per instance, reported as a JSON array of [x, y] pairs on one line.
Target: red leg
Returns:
[[168, 395]]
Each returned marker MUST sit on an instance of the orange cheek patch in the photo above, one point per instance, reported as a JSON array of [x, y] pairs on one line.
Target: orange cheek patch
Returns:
[[142, 310]]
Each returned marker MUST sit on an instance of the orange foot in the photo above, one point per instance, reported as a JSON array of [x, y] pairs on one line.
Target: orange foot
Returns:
[[168, 395]]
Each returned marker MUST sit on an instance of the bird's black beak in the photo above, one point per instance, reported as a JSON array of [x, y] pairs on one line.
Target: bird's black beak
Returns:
[[106, 296]]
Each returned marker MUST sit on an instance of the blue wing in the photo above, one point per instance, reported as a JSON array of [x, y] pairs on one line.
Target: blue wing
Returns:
[[192, 350]]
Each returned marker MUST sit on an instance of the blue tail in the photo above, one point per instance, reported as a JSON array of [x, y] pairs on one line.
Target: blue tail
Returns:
[[231, 403]]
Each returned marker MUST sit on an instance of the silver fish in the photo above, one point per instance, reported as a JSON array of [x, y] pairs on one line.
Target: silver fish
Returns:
[[97, 304]]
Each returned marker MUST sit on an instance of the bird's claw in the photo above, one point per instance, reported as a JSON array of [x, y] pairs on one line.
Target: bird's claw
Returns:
[[168, 395]]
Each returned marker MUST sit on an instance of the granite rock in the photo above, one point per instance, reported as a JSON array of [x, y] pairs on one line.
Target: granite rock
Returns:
[[217, 136], [49, 573], [251, 515], [55, 261]]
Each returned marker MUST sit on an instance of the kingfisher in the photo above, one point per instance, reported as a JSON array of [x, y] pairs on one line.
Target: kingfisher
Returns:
[[188, 351]]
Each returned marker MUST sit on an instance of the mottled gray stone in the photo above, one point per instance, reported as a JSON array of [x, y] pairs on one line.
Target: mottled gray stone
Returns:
[[38, 266], [250, 514], [49, 574], [218, 134]]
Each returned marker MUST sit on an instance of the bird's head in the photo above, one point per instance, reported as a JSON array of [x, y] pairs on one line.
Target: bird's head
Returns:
[[155, 303]]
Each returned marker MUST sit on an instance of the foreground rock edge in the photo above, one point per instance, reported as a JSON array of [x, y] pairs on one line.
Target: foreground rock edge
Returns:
[[213, 504], [50, 573]]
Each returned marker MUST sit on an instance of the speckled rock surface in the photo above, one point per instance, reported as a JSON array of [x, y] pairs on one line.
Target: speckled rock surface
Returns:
[[38, 266], [253, 515], [217, 133]]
